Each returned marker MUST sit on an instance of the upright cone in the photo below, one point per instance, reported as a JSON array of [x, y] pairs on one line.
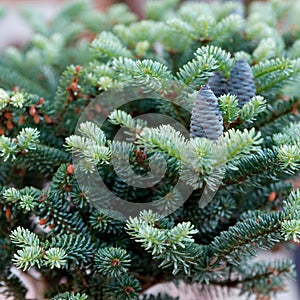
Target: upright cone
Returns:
[[206, 120], [218, 84], [241, 82]]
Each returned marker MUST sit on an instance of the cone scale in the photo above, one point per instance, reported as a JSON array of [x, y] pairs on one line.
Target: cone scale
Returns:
[[206, 120], [241, 82], [218, 84]]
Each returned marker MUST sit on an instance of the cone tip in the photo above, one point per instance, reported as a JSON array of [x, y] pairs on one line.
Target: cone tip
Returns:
[[241, 61]]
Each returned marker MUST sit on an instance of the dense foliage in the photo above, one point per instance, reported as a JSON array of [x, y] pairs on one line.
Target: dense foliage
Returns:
[[230, 80]]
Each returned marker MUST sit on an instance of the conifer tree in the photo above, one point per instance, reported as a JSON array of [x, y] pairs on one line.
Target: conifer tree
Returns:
[[218, 189]]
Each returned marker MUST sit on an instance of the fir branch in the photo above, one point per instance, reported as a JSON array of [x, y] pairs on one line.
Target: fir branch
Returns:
[[289, 135], [123, 287], [79, 248], [223, 57], [229, 108], [183, 28], [109, 45], [93, 132], [54, 210], [164, 138], [204, 27], [24, 238], [281, 121], [26, 199], [25, 142], [227, 27], [10, 79], [70, 296], [105, 224], [28, 257], [289, 157], [91, 146], [254, 207], [60, 180], [262, 196], [157, 10], [209, 219], [263, 160], [234, 244], [292, 205], [251, 109], [197, 71], [238, 144], [55, 258], [261, 278], [268, 48], [119, 117], [174, 247], [147, 72], [274, 74], [112, 262], [291, 230], [43, 159]]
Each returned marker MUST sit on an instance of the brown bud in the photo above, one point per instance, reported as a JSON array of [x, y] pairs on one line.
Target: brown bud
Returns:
[[21, 119], [8, 213], [77, 68], [74, 86], [295, 109], [128, 289], [8, 115], [115, 262], [70, 169], [10, 125], [272, 196], [32, 110], [41, 101], [68, 188], [47, 119], [43, 221], [36, 119], [51, 226], [98, 108]]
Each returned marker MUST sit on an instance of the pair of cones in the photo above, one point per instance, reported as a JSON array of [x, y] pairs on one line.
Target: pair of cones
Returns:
[[207, 120]]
